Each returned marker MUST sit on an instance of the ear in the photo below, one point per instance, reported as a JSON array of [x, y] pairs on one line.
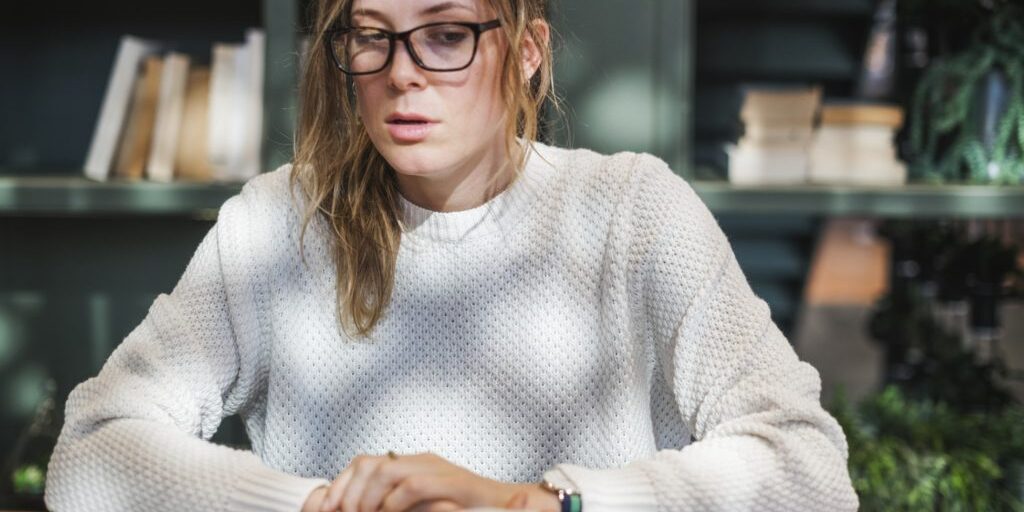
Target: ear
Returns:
[[532, 49]]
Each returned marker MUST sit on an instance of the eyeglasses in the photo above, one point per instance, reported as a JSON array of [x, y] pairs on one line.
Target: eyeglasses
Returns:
[[444, 46]]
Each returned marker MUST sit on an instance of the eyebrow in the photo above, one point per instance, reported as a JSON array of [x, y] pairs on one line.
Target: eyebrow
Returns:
[[434, 9]]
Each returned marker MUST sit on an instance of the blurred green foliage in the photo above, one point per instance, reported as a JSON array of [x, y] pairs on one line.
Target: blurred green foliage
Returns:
[[946, 114], [29, 479], [922, 455]]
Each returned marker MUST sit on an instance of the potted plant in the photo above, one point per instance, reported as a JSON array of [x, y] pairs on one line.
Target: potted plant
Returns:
[[967, 110]]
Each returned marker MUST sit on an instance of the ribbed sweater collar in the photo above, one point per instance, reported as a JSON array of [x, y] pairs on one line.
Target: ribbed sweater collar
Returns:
[[499, 214]]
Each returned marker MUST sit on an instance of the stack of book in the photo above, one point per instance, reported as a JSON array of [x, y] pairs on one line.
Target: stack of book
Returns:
[[166, 118], [778, 128], [855, 145]]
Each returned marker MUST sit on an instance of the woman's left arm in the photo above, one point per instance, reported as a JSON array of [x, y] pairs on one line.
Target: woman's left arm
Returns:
[[763, 441]]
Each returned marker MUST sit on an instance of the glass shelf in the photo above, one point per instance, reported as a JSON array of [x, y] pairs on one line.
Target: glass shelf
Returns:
[[78, 196], [909, 201]]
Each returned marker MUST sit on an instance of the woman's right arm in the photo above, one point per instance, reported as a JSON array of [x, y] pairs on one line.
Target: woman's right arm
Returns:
[[136, 436]]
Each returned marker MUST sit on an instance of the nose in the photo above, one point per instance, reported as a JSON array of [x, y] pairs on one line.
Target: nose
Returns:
[[404, 74]]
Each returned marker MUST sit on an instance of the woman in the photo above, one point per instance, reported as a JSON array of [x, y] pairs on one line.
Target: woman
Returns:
[[474, 313]]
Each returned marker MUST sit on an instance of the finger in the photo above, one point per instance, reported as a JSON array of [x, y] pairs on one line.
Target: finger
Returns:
[[353, 492], [419, 489], [412, 491], [437, 506], [332, 500], [379, 483]]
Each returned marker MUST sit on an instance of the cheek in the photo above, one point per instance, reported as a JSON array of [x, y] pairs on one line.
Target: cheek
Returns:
[[484, 102], [372, 105]]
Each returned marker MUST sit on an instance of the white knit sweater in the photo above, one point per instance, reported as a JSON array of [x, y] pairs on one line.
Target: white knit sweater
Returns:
[[589, 323]]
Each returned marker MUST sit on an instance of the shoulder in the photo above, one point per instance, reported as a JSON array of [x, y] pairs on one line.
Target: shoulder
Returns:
[[261, 215], [266, 190], [583, 163], [649, 197], [616, 178], [268, 198]]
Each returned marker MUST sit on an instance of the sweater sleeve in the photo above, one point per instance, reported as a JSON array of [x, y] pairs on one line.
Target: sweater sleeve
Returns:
[[762, 439], [136, 436]]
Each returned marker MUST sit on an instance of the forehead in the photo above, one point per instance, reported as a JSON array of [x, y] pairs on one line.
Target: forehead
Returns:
[[406, 9]]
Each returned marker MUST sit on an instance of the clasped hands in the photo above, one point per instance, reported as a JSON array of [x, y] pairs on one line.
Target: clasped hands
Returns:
[[423, 482]]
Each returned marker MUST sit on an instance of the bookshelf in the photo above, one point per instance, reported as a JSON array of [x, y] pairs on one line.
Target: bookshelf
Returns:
[[84, 260], [686, 127], [64, 85], [27, 196], [73, 195], [909, 201]]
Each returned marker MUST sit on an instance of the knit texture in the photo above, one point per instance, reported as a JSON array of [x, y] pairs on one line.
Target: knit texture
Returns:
[[589, 323]]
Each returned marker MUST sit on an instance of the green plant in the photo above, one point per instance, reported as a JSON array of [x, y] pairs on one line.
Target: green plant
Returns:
[[944, 132], [922, 455], [29, 479], [945, 433]]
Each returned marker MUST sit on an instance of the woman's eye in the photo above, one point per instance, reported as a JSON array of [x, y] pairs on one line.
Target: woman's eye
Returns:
[[448, 37], [369, 37]]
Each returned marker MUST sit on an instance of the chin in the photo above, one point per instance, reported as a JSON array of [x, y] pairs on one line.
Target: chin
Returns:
[[421, 159]]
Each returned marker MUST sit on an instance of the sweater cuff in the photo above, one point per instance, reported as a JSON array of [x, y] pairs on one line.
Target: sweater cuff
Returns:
[[267, 490], [608, 490]]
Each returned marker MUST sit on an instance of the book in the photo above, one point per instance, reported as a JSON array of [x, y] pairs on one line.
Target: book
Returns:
[[110, 122], [133, 149], [170, 108], [855, 145], [191, 162], [778, 133], [778, 127], [761, 165], [860, 136], [780, 106], [236, 108], [775, 144], [224, 118], [252, 158], [862, 113]]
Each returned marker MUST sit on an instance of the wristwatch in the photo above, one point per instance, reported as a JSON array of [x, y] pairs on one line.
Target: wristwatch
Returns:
[[569, 498]]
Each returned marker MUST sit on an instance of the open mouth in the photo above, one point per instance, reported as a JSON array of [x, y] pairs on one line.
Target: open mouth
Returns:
[[408, 118], [409, 128]]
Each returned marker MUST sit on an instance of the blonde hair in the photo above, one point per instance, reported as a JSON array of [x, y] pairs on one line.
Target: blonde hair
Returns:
[[353, 188]]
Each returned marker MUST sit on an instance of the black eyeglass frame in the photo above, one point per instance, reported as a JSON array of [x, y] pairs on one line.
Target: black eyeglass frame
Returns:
[[477, 28]]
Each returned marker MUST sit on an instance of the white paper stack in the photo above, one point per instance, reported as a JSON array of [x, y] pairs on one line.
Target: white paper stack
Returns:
[[778, 127], [855, 146]]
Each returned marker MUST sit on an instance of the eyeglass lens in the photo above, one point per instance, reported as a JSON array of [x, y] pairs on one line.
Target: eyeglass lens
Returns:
[[438, 47]]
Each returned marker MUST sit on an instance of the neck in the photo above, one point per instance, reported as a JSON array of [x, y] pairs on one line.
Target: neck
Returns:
[[467, 186]]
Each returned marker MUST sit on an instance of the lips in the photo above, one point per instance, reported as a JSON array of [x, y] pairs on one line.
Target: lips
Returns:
[[409, 127], [400, 118]]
